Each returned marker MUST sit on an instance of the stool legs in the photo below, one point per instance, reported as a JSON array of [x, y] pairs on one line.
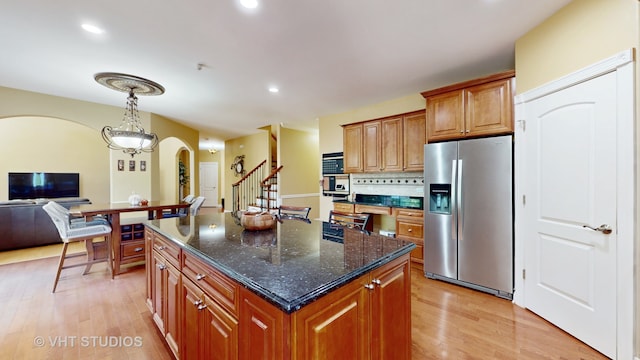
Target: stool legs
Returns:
[[65, 245]]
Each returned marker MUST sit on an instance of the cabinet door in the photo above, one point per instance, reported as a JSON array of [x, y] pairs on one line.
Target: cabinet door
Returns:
[[173, 294], [149, 264], [372, 146], [191, 324], [391, 311], [489, 108], [220, 332], [336, 326], [392, 145], [262, 328], [158, 267], [414, 138], [352, 148], [445, 116]]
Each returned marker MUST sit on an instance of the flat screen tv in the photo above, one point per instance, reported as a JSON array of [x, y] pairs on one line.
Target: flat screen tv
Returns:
[[43, 185]]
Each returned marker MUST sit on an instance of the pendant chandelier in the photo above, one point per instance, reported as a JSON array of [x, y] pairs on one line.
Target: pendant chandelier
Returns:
[[130, 136]]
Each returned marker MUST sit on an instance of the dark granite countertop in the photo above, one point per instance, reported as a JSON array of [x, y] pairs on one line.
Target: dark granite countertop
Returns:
[[408, 202], [290, 265]]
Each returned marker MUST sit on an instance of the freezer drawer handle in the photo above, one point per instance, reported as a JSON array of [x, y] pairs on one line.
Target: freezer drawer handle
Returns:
[[606, 229]]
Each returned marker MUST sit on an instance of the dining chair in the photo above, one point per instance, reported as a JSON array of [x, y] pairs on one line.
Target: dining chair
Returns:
[[74, 230], [196, 205], [360, 221], [293, 212], [182, 211]]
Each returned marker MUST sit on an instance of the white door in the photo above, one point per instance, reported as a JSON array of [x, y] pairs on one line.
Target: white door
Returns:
[[571, 185], [209, 183]]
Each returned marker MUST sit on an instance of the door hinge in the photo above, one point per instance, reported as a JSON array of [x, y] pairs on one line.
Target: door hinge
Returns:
[[524, 200], [523, 124], [524, 274]]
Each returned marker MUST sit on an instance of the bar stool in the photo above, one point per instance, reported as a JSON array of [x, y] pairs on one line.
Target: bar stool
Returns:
[[72, 230]]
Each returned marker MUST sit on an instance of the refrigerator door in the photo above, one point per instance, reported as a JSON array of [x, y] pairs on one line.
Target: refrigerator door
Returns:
[[440, 245], [485, 238]]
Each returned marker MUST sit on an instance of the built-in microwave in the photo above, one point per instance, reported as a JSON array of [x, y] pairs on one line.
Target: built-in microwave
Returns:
[[335, 184]]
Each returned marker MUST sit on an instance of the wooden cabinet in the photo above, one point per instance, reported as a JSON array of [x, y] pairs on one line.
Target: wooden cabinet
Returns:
[[344, 207], [210, 331], [132, 242], [480, 107], [410, 226], [265, 329], [390, 144], [204, 314], [210, 309], [414, 137], [166, 295], [355, 309], [352, 143]]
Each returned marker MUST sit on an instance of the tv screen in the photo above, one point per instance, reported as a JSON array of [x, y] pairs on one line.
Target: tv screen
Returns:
[[43, 185]]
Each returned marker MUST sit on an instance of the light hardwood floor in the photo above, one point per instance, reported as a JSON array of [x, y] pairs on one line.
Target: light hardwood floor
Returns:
[[100, 318]]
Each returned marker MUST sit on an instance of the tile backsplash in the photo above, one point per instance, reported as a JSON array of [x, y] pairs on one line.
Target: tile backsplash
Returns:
[[402, 184]]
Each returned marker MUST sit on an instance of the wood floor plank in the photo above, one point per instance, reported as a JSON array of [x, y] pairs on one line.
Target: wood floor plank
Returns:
[[448, 321]]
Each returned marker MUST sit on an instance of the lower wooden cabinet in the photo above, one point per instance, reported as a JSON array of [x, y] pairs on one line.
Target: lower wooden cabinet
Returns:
[[368, 318], [410, 226], [210, 332], [166, 301]]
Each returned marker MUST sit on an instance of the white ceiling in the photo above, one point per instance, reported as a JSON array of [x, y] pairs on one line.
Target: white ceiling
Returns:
[[326, 56]]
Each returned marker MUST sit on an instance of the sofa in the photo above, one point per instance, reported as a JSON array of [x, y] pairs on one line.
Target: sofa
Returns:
[[24, 224]]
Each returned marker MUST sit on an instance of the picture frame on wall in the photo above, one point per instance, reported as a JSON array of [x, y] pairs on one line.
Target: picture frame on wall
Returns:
[[143, 165], [132, 165], [120, 165]]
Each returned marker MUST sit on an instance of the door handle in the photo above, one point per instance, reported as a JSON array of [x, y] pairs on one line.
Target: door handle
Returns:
[[606, 229]]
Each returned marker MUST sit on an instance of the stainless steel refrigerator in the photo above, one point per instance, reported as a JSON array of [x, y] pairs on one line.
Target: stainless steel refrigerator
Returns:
[[469, 213]]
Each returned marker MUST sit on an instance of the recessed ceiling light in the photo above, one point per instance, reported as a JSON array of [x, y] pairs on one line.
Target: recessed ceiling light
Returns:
[[249, 4], [92, 29], [273, 89]]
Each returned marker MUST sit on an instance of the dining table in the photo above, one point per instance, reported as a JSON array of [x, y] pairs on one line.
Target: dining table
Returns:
[[113, 211]]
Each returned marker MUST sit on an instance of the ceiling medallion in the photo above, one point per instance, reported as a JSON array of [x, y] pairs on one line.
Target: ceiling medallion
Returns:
[[130, 136]]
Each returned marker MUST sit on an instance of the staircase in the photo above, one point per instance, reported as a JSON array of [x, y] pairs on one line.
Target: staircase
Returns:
[[257, 190]]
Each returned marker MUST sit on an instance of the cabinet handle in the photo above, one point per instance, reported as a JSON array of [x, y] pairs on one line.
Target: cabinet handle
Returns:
[[161, 266], [376, 281], [160, 248], [138, 249], [409, 229], [200, 276], [202, 306], [468, 130], [369, 286], [461, 131], [197, 302]]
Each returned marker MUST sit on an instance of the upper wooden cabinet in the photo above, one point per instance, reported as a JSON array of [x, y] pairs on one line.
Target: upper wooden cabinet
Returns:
[[390, 144], [479, 107], [352, 138]]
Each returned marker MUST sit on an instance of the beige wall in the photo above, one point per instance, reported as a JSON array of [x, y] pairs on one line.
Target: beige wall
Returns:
[[580, 34], [255, 149], [330, 129], [44, 144], [299, 178], [107, 183]]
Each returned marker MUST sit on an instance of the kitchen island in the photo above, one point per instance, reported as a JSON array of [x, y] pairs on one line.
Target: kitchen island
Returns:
[[292, 292]]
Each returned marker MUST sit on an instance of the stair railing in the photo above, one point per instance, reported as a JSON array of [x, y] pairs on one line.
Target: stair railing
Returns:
[[247, 189], [270, 202]]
